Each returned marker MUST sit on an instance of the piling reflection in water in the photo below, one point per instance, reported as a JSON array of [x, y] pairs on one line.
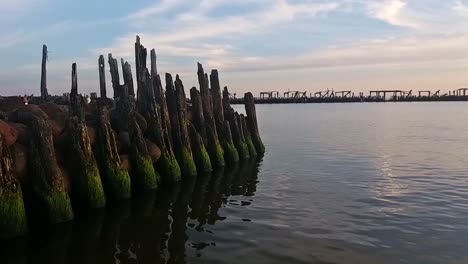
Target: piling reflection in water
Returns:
[[148, 229]]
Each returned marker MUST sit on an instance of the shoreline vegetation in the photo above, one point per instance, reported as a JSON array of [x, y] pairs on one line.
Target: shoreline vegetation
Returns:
[[62, 156]]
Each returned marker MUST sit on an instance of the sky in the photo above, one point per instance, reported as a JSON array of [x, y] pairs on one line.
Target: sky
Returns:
[[256, 45]]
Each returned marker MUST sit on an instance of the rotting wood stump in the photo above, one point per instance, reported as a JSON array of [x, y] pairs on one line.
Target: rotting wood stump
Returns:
[[213, 146], [225, 137], [13, 221], [252, 124], [115, 179], [237, 137], [148, 93], [50, 200], [176, 105], [87, 190], [246, 135]]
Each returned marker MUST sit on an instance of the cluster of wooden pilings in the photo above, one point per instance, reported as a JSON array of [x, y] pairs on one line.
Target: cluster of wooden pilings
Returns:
[[59, 160]]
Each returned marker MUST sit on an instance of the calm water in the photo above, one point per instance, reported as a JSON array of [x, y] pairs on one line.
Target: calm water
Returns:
[[341, 183]]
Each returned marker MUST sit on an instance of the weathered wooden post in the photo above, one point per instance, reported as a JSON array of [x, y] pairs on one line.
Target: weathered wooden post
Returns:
[[116, 181], [50, 199], [230, 152], [198, 118], [246, 135], [140, 61], [144, 177], [167, 164], [213, 145], [114, 71], [252, 124], [176, 105], [102, 77], [87, 190], [13, 221], [44, 93], [128, 78], [237, 137]]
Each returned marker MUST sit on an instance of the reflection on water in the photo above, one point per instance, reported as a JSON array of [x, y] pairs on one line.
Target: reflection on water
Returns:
[[339, 183], [148, 229]]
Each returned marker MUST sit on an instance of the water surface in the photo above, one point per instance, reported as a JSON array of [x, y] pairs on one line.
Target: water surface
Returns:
[[339, 183]]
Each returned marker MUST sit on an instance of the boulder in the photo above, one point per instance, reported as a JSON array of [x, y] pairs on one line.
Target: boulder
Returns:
[[153, 150], [58, 114], [141, 122], [9, 133], [26, 112], [23, 133], [20, 159]]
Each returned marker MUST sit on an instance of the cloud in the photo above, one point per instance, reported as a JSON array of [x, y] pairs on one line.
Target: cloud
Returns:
[[20, 35], [392, 12]]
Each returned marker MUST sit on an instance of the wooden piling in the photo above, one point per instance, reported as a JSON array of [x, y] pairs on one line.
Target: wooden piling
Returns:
[[114, 72], [200, 155], [49, 198], [13, 221], [230, 153], [252, 124], [44, 93], [247, 137], [157, 130], [225, 137], [144, 177], [102, 77], [213, 146], [127, 76], [230, 116], [115, 179], [176, 104], [87, 190]]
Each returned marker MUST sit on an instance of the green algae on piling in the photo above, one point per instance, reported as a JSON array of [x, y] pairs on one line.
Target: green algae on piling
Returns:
[[13, 221]]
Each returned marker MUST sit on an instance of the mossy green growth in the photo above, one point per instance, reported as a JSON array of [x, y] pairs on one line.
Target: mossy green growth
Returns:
[[144, 177], [117, 183], [243, 150], [250, 146], [168, 168], [87, 186], [13, 221], [202, 159], [214, 149], [187, 164], [58, 208], [230, 153]]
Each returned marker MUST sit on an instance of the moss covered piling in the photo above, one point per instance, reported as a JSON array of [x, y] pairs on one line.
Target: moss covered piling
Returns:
[[89, 154]]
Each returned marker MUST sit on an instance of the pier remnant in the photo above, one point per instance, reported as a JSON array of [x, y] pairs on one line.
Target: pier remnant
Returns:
[[237, 137], [87, 187], [148, 91], [144, 177], [252, 124], [50, 199], [247, 136], [102, 77], [13, 221], [115, 179], [159, 128], [213, 145], [176, 104], [44, 93], [225, 137]]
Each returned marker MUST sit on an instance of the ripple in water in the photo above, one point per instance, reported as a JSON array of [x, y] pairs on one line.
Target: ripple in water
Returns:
[[342, 183]]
